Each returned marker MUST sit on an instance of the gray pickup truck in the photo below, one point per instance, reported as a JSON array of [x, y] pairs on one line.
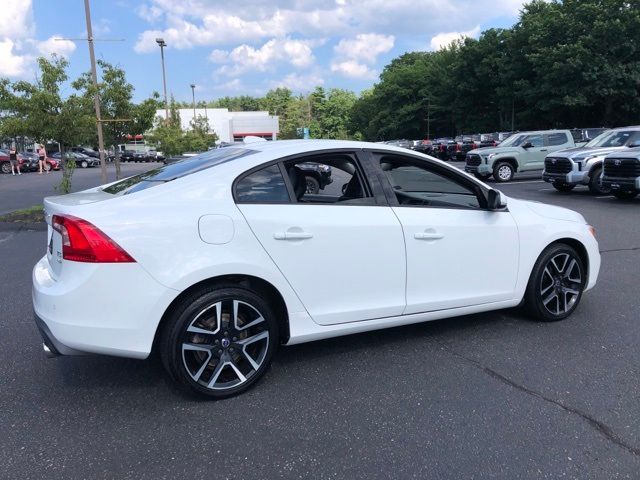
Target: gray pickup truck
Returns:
[[622, 173], [584, 166], [521, 152]]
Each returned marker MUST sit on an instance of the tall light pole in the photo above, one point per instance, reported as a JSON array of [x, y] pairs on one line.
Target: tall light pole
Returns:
[[96, 97], [193, 96], [428, 118], [161, 43]]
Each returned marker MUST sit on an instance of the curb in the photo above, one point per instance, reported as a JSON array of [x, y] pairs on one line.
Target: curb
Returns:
[[23, 226]]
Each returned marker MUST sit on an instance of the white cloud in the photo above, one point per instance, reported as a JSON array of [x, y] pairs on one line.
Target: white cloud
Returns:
[[12, 64], [353, 69], [365, 47], [445, 39], [55, 44], [299, 83], [246, 58], [354, 55], [148, 13], [18, 45]]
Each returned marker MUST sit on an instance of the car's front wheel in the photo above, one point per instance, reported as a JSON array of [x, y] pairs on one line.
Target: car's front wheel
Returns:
[[84, 164], [503, 172], [594, 183], [556, 284], [219, 341], [313, 186]]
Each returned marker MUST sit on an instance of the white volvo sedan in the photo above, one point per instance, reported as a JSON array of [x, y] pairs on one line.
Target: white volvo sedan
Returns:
[[227, 255]]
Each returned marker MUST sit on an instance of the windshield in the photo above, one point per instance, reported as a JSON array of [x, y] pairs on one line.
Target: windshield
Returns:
[[617, 138], [178, 169], [513, 140]]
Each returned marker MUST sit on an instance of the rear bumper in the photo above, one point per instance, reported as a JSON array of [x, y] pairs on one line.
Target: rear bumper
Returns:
[[87, 311], [50, 344]]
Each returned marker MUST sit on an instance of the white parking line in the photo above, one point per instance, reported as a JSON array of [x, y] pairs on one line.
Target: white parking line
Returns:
[[526, 181], [605, 196]]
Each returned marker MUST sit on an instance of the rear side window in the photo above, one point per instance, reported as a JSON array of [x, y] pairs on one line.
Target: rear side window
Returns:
[[178, 169], [263, 186], [556, 139]]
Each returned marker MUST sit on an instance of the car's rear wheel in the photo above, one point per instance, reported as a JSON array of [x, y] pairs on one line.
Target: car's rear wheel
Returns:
[[313, 186], [625, 194], [594, 183], [5, 167], [503, 172], [556, 284], [219, 341], [563, 187], [47, 167]]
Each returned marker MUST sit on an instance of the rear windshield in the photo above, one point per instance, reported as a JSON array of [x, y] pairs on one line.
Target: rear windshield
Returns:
[[177, 169]]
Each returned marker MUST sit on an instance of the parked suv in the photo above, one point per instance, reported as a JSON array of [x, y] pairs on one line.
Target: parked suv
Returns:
[[583, 166], [523, 151], [622, 173]]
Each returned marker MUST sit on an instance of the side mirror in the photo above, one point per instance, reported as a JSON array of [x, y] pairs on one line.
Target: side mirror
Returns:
[[496, 200], [527, 145]]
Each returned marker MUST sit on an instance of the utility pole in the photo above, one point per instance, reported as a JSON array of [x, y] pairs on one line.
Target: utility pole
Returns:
[[96, 97], [161, 43], [512, 113], [428, 118], [193, 96]]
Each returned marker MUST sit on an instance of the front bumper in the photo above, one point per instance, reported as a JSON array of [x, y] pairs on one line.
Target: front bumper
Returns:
[[482, 169], [621, 183], [573, 178]]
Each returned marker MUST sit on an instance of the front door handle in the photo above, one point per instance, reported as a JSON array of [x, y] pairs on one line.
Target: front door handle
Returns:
[[428, 236], [543, 149], [292, 235]]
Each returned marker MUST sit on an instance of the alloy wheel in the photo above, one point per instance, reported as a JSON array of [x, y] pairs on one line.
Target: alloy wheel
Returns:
[[561, 283], [504, 172], [225, 344]]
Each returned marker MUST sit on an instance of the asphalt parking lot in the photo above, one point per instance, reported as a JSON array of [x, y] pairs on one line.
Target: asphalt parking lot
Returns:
[[492, 395]]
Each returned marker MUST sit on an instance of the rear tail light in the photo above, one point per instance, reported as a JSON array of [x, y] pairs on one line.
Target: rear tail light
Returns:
[[84, 242]]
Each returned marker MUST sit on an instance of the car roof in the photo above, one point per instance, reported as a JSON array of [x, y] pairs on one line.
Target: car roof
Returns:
[[291, 147]]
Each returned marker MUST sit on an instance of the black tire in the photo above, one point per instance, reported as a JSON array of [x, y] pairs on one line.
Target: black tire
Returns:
[[625, 194], [546, 298], [503, 172], [563, 187], [5, 167], [222, 345], [482, 176], [595, 186], [313, 186], [84, 164], [47, 167]]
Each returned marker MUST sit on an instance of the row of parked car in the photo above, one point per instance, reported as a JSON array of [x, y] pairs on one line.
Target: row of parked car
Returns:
[[609, 163], [28, 162]]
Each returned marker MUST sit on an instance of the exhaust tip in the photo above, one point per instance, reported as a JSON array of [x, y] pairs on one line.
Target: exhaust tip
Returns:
[[48, 352]]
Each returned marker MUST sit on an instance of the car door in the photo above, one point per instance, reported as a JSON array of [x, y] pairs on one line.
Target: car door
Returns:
[[557, 141], [342, 250], [532, 158], [458, 253]]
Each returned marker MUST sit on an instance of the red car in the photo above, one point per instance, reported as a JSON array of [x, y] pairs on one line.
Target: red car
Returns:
[[52, 164], [5, 165]]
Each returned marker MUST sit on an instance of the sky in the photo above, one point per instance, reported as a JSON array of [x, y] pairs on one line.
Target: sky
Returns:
[[244, 47]]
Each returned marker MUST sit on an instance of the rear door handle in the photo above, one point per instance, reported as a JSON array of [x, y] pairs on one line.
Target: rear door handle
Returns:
[[428, 236], [292, 235]]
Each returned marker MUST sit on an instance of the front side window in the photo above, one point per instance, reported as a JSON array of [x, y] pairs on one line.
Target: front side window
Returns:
[[417, 185], [328, 179], [534, 140], [263, 186]]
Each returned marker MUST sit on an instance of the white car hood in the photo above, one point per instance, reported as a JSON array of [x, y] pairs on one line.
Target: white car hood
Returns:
[[550, 211]]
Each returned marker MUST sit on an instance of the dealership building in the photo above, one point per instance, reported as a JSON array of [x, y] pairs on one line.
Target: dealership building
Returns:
[[231, 126]]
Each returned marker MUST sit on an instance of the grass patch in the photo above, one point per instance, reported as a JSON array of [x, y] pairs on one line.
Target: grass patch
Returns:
[[33, 214]]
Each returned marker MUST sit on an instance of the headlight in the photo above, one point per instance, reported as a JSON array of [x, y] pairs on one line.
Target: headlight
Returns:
[[491, 155]]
